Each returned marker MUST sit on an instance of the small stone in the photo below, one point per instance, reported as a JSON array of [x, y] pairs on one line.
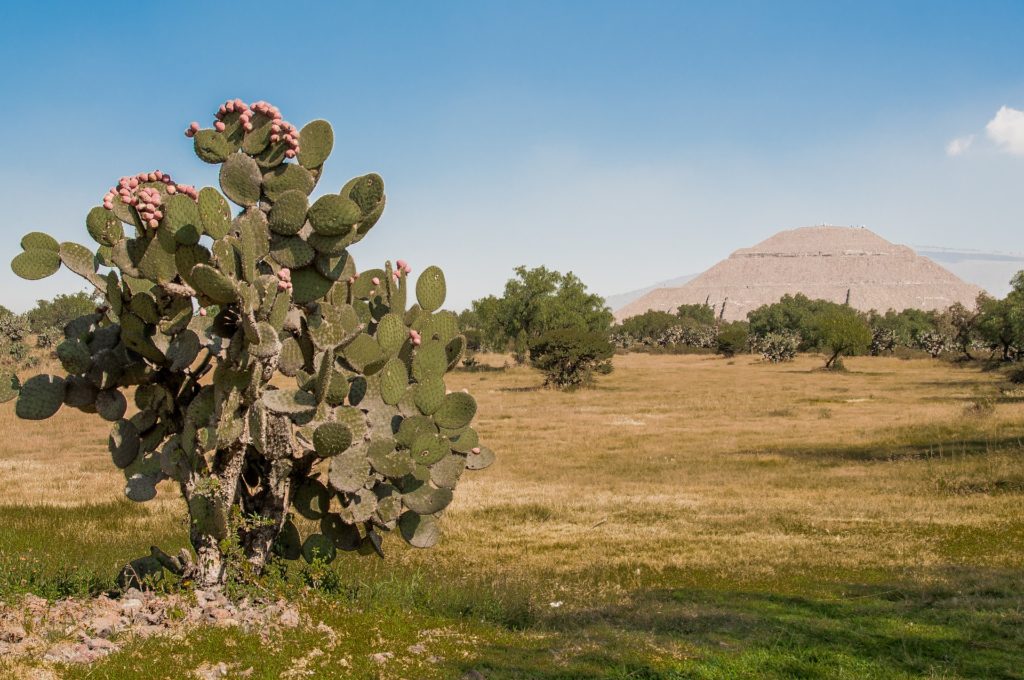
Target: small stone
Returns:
[[218, 613], [105, 625], [11, 632], [100, 643], [382, 657], [418, 648], [289, 618]]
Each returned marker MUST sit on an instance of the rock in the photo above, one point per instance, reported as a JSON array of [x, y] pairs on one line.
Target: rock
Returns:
[[289, 618], [218, 613], [148, 631], [418, 648], [105, 625], [11, 632], [100, 643], [207, 672], [131, 606], [382, 657], [69, 652]]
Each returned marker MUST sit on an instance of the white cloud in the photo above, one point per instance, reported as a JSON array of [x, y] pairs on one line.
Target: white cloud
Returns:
[[959, 146], [1007, 130]]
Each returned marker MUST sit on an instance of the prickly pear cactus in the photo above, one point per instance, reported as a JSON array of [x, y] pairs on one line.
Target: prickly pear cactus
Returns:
[[241, 354], [777, 347]]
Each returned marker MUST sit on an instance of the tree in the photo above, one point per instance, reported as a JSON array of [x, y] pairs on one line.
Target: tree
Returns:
[[996, 325], [703, 314], [903, 328], [732, 338], [960, 325], [840, 331], [364, 440], [791, 315], [646, 327], [56, 313], [568, 357], [534, 302]]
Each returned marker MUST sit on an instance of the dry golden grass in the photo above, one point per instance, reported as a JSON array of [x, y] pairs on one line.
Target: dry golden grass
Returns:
[[731, 469], [691, 512]]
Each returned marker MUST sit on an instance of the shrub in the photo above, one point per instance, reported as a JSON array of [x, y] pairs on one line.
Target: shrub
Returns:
[[13, 327], [732, 338], [883, 341], [56, 313], [777, 347], [367, 441], [568, 357]]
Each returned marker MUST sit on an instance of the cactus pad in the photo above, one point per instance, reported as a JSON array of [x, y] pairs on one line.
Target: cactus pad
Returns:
[[111, 404], [430, 361], [478, 461], [287, 177], [457, 410], [289, 402], [291, 251], [349, 470], [240, 179], [81, 261], [36, 263], [141, 487], [363, 353], [37, 240], [427, 499], [332, 215], [40, 397], [428, 448], [288, 213], [394, 380], [387, 460], [124, 443], [214, 213], [446, 472], [309, 285], [419, 531], [213, 284], [330, 439], [431, 289], [316, 140], [212, 146], [103, 226]]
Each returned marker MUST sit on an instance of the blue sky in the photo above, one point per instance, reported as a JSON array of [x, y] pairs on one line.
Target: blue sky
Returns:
[[627, 142]]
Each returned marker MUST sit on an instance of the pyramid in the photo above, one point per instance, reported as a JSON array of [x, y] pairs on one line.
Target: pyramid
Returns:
[[832, 263]]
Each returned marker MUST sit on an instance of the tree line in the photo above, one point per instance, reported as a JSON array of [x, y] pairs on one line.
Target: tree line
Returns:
[[552, 321], [42, 327]]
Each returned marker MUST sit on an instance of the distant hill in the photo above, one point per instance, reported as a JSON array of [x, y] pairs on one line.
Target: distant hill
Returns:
[[991, 271], [827, 262], [623, 299]]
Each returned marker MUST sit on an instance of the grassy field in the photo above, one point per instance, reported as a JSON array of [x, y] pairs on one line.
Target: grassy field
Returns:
[[691, 517]]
